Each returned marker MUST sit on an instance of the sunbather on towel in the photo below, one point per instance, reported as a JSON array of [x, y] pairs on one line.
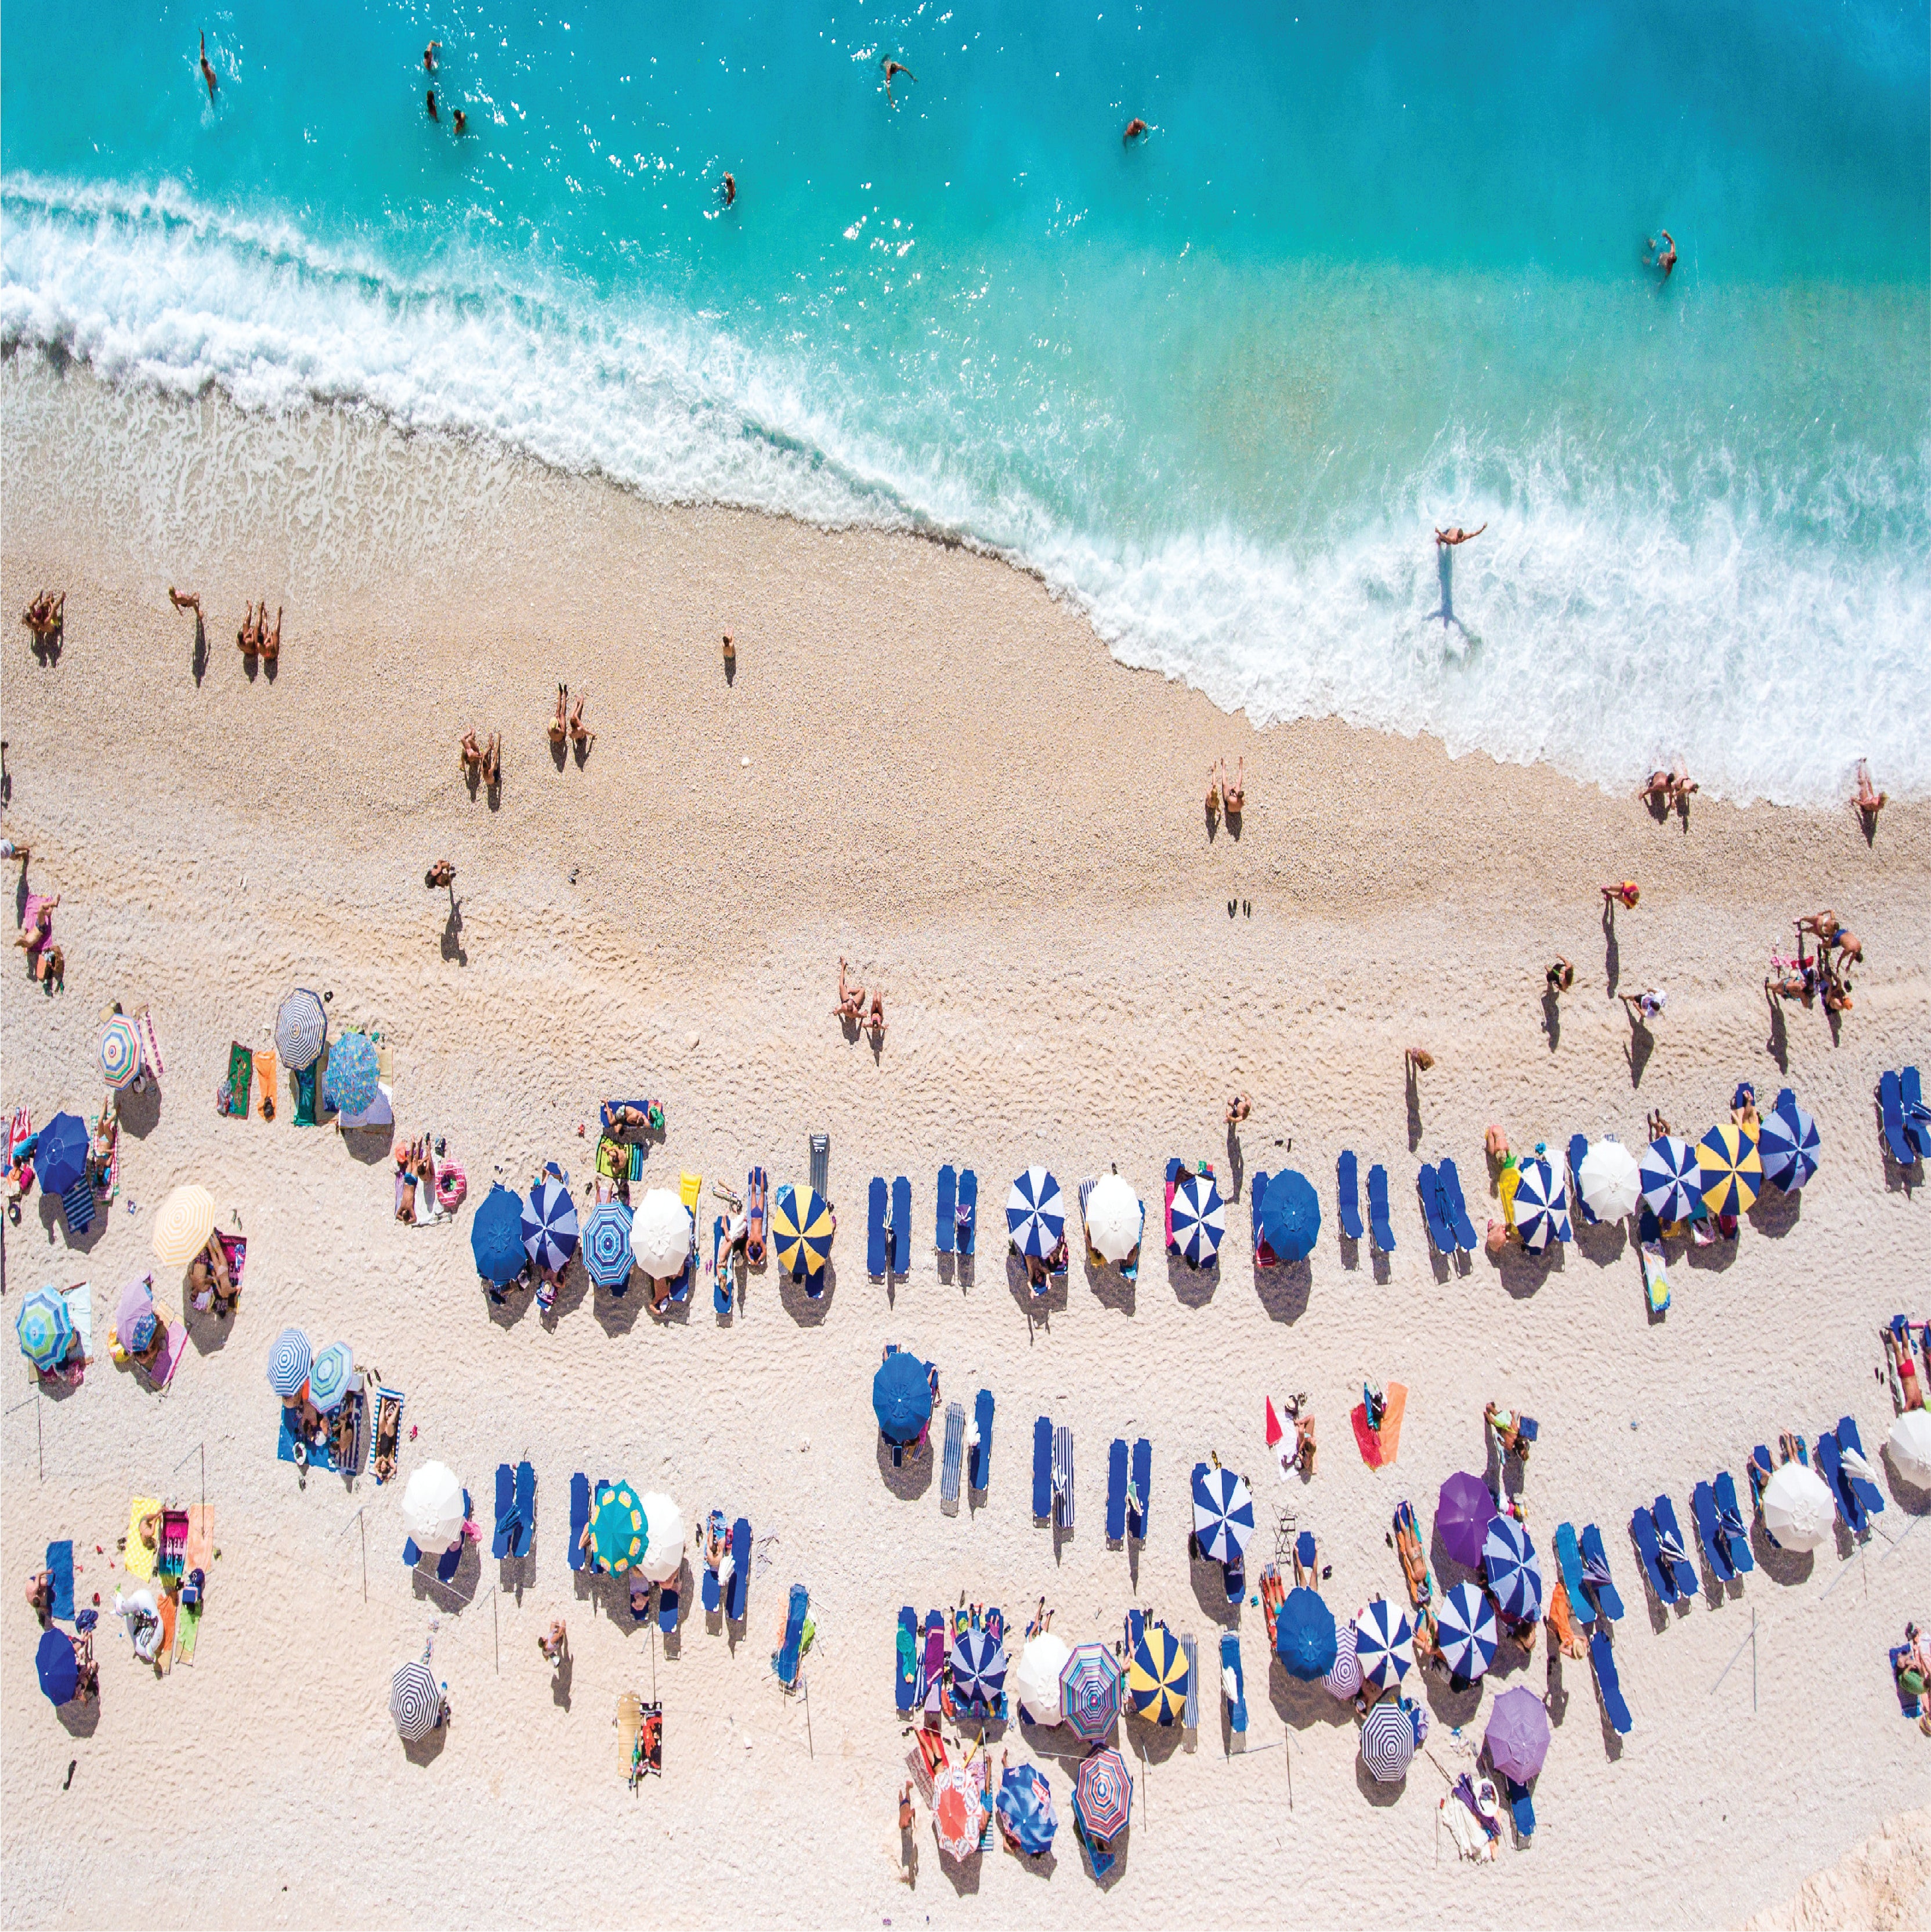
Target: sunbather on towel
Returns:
[[209, 1285], [40, 1596]]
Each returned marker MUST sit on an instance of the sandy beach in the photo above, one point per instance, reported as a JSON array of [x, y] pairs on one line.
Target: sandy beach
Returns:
[[926, 765]]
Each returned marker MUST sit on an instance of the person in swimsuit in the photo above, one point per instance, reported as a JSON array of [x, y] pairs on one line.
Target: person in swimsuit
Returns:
[[469, 753], [1135, 129], [559, 725], [730, 188], [1626, 894], [429, 54], [1234, 791], [270, 640], [580, 735], [893, 68], [207, 72], [1561, 975], [429, 94], [1869, 802], [443, 873], [851, 999], [493, 760], [1238, 1108], [461, 122], [185, 600], [875, 1022], [1455, 534], [1663, 258]]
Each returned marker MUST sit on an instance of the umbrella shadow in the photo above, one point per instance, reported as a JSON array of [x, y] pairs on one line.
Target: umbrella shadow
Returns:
[[1453, 1701], [139, 1113], [1301, 1705], [1283, 1290], [807, 1310], [1524, 1272], [1605, 1243], [77, 1244], [1110, 1288], [1371, 1787], [460, 1591], [1210, 1588], [428, 1750], [616, 1313], [79, 1719], [908, 1480], [1779, 1564], [570, 1293], [1193, 1287], [1039, 1306], [962, 1874], [1154, 1744], [1776, 1213], [1909, 1497], [369, 1145], [1713, 1258]]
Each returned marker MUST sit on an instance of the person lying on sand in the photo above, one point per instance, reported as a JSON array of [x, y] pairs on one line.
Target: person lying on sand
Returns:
[[270, 640], [185, 600], [1870, 802], [851, 998], [1626, 894], [492, 761], [1234, 791], [36, 919], [559, 725], [1455, 534], [874, 1023], [579, 735], [1791, 980], [50, 969], [208, 1283]]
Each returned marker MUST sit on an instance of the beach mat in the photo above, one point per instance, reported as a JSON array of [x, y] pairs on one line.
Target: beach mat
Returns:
[[170, 1608], [265, 1079], [187, 1630], [1378, 1451], [139, 1559], [322, 1458], [240, 1071], [200, 1556], [60, 1563]]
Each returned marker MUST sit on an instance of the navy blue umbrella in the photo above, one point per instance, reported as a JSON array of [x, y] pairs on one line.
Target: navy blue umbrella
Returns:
[[1304, 1638], [496, 1237], [1290, 1216], [901, 1398], [59, 1670], [61, 1158], [1025, 1803]]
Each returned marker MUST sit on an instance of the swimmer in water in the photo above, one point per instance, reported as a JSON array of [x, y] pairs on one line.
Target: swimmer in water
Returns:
[[1663, 258], [429, 54], [207, 72], [1135, 128], [462, 121], [1455, 534], [892, 68], [730, 189], [430, 94]]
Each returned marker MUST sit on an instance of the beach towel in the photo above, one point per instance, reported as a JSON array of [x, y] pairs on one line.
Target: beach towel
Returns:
[[1380, 1447], [80, 1311], [304, 1097], [151, 1048], [139, 1559], [60, 1567], [200, 1556], [240, 1071], [265, 1079]]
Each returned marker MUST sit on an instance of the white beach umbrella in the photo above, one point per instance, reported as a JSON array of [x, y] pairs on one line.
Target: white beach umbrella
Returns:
[[1911, 1446], [1037, 1678], [432, 1507], [1113, 1217], [1610, 1182], [663, 1534], [1797, 1509], [660, 1233]]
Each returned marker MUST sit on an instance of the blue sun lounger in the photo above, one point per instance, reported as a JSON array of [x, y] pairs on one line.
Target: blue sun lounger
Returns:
[[1042, 1470], [1263, 1255], [60, 1570], [1890, 1106], [1063, 1477], [1911, 1104], [969, 1207], [877, 1252], [954, 1458], [669, 1603], [1237, 1699], [784, 1659], [1139, 1490], [1730, 1524], [1579, 1152], [1522, 1807], [580, 1518], [979, 1471], [740, 1583], [1642, 1534], [1709, 1531], [1379, 1225], [1116, 1491], [905, 1682], [1568, 1565], [1673, 1550], [1867, 1493], [902, 1226], [1347, 1195], [1102, 1860], [1427, 1185], [502, 1541], [947, 1230], [1831, 1467], [1596, 1575], [1455, 1209], [1609, 1685]]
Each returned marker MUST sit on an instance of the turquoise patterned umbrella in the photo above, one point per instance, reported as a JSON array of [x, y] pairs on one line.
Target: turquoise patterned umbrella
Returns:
[[44, 1326], [350, 1085]]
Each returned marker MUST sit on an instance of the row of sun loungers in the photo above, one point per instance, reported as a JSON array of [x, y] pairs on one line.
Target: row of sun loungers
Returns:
[[1052, 1474], [1126, 1500], [1905, 1119]]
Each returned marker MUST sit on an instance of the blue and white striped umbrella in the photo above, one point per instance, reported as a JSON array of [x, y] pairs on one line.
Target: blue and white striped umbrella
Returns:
[[300, 1027], [1788, 1145], [1384, 1642], [549, 1223], [1513, 1569], [1388, 1742], [415, 1702], [1223, 1513], [979, 1669], [1465, 1625], [329, 1376], [288, 1362], [1199, 1220], [1036, 1213], [1541, 1205], [349, 1084], [607, 1250], [1672, 1179]]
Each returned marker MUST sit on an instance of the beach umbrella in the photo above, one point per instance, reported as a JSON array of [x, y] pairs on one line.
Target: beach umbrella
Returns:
[[979, 1667], [1541, 1205], [1290, 1215], [135, 1320], [1730, 1170], [1797, 1509], [1465, 1626], [1113, 1217], [329, 1376], [1788, 1145], [663, 1533], [1103, 1789], [1157, 1676], [617, 1528], [58, 1667], [1611, 1181], [1304, 1638], [1025, 1803], [496, 1237], [901, 1397], [1384, 1642], [1513, 1569], [607, 1252], [1223, 1513], [289, 1361], [416, 1701], [801, 1224], [349, 1084], [1199, 1218], [1910, 1445], [1517, 1734], [44, 1326], [956, 1812], [184, 1225], [1344, 1675], [60, 1157], [1388, 1742], [660, 1233], [549, 1222], [1461, 1517], [1671, 1180], [118, 1050], [432, 1507], [301, 1024], [1036, 1213], [1090, 1689], [1036, 1678]]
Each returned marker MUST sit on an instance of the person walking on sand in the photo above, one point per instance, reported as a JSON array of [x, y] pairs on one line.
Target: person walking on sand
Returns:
[[1418, 1059], [851, 998], [207, 72], [1869, 802], [1647, 1004], [892, 69], [1455, 534], [1561, 976], [1625, 895], [185, 600], [443, 873], [1238, 1108]]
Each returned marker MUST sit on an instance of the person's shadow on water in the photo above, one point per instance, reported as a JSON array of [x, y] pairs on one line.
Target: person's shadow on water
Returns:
[[1444, 573]]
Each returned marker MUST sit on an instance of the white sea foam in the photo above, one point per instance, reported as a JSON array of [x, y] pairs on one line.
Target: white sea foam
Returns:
[[1589, 627]]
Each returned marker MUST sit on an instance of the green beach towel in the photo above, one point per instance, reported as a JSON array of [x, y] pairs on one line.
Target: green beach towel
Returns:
[[241, 1074], [305, 1098]]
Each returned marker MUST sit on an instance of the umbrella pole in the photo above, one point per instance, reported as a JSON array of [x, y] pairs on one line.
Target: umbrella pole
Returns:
[[497, 1623], [1288, 1753], [40, 1438], [1754, 1657], [811, 1744]]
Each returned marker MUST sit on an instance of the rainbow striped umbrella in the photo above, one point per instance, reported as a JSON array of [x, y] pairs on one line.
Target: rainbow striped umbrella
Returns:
[[1103, 1790], [119, 1052], [1729, 1170], [1089, 1682]]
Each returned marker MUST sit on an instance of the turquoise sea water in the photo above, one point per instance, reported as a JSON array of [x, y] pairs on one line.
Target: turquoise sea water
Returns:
[[1370, 270]]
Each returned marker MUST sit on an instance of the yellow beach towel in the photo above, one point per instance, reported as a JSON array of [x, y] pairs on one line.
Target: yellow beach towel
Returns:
[[139, 1558]]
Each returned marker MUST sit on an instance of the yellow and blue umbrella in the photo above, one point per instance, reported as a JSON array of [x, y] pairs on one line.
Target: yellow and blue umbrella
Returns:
[[1157, 1676], [617, 1533], [119, 1052], [801, 1225], [44, 1326], [1729, 1170]]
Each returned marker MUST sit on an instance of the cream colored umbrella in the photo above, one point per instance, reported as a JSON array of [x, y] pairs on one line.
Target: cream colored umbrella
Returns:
[[664, 1532], [1797, 1509], [1036, 1679], [1113, 1219], [660, 1233], [182, 1227], [1911, 1446], [432, 1507], [1610, 1180]]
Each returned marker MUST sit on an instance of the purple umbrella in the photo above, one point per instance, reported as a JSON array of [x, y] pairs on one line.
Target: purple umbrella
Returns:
[[1461, 1517], [1517, 1734], [134, 1322]]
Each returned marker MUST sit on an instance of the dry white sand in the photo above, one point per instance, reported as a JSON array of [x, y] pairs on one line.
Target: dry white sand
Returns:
[[950, 782]]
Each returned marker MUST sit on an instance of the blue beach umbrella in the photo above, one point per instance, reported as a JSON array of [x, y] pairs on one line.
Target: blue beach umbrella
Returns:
[[1025, 1803], [496, 1237], [1199, 1218], [1672, 1179], [1223, 1513], [1304, 1638], [329, 1376], [1384, 1642], [289, 1361], [1465, 1628], [1036, 1213], [1541, 1205], [60, 1157], [58, 1667], [44, 1326], [901, 1397], [979, 1669], [1788, 1145], [606, 1252], [1513, 1569], [349, 1084], [1290, 1216], [549, 1223]]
